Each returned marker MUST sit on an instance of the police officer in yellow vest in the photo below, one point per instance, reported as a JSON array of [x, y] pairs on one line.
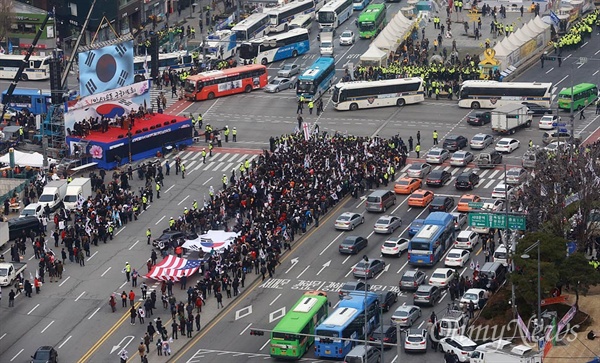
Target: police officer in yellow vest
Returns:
[[247, 164], [234, 134], [224, 181], [69, 179], [21, 134], [418, 150], [172, 224], [204, 155], [210, 147], [148, 234], [157, 190], [195, 205], [226, 133], [311, 105], [182, 171], [242, 170], [144, 201], [199, 120]]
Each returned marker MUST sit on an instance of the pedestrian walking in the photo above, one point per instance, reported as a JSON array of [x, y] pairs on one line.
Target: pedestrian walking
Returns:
[[311, 105], [142, 350], [112, 302], [11, 298], [197, 318], [219, 297], [148, 235], [123, 299], [174, 329], [418, 136], [123, 355], [131, 297], [134, 277], [132, 315], [300, 107], [141, 315], [581, 114]]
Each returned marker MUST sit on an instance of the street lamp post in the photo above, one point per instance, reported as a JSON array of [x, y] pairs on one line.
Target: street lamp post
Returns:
[[366, 260], [540, 327]]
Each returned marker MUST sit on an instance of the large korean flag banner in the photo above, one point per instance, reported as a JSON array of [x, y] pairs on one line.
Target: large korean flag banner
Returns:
[[106, 68]]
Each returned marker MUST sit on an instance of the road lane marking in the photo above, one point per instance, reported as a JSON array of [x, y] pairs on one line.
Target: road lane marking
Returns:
[[92, 256], [171, 187], [16, 355], [565, 77], [136, 242], [178, 356], [120, 287], [550, 70], [119, 231], [330, 243], [303, 271], [47, 326], [264, 345], [65, 342], [273, 302], [68, 277], [346, 259], [183, 200], [3, 335], [207, 180], [94, 313], [31, 311], [402, 268], [80, 295], [246, 328], [160, 220], [104, 273]]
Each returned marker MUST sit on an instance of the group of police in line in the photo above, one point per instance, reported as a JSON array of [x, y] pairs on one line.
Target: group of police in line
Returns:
[[577, 33]]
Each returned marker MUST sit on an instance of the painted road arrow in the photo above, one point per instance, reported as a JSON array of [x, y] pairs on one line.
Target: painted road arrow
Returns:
[[294, 261], [387, 267], [129, 339], [325, 265]]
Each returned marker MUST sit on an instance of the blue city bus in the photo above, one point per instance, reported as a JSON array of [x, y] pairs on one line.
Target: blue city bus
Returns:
[[316, 79], [36, 101], [360, 4], [347, 321], [277, 47], [434, 238]]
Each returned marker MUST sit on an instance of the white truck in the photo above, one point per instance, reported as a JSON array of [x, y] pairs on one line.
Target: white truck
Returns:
[[326, 47], [9, 272], [4, 234], [509, 118], [53, 194], [503, 351], [78, 188]]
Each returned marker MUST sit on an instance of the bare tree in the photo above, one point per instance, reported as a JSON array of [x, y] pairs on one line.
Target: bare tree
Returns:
[[6, 18]]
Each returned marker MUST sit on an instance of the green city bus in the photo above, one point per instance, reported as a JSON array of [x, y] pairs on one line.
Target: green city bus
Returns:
[[584, 94], [310, 311], [372, 20]]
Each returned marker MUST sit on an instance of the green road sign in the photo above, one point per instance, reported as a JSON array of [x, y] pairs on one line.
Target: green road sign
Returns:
[[490, 220]]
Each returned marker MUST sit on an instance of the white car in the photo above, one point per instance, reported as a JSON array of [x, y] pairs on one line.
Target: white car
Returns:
[[416, 340], [347, 37], [501, 191], [442, 277], [387, 224], [466, 240], [557, 146], [457, 258], [394, 246], [474, 295], [491, 204], [507, 145], [461, 158], [437, 156], [460, 345], [549, 122], [32, 209]]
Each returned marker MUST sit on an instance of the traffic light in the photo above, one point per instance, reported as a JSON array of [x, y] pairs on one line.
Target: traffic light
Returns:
[[256, 332]]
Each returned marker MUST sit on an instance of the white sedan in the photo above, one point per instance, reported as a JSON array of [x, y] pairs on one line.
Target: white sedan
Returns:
[[548, 122], [507, 145], [387, 224], [441, 277], [347, 37], [457, 257]]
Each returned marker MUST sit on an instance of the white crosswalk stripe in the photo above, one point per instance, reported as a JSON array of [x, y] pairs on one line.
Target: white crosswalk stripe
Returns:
[[219, 162], [154, 92]]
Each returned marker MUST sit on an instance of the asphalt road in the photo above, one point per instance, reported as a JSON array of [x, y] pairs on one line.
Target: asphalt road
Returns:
[[74, 315]]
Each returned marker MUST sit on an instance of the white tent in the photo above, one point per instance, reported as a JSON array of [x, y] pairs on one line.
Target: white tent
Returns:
[[385, 40], [35, 160], [374, 57], [540, 23], [521, 36], [214, 240], [391, 36]]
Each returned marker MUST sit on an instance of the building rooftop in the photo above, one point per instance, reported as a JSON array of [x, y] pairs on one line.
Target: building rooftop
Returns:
[[22, 8]]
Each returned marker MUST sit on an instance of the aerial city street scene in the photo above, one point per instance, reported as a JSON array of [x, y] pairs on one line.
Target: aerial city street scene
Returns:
[[390, 181]]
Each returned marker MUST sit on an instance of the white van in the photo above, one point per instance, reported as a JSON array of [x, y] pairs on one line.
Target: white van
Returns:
[[302, 21], [501, 255]]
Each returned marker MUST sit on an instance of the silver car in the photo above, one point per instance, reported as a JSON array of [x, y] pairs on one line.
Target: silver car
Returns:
[[368, 269], [348, 220], [289, 70], [460, 219], [406, 315], [387, 224], [481, 141], [419, 170], [280, 83], [437, 156], [516, 176], [461, 158]]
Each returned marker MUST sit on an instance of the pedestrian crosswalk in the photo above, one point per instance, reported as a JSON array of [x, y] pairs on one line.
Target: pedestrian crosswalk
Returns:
[[488, 178], [154, 92], [219, 162]]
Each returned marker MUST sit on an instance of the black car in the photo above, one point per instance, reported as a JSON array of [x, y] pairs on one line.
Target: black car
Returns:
[[45, 354], [387, 299], [455, 142], [427, 295], [352, 245], [466, 180], [162, 242], [480, 118], [387, 333], [488, 159], [438, 178], [441, 204], [537, 110]]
